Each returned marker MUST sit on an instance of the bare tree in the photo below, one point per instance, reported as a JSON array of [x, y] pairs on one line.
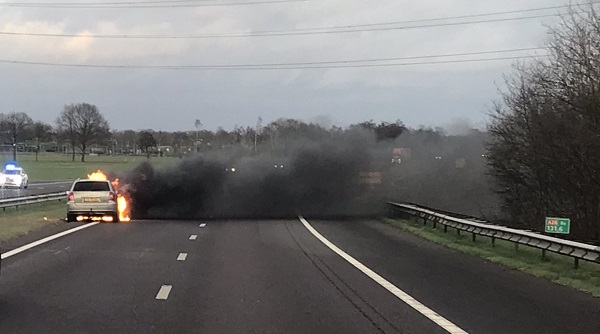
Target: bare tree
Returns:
[[257, 132], [40, 132], [65, 125], [198, 126], [384, 130], [15, 125], [82, 124], [146, 141], [545, 147]]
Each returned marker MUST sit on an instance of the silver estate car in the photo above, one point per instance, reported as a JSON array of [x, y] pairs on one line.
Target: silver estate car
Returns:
[[90, 200]]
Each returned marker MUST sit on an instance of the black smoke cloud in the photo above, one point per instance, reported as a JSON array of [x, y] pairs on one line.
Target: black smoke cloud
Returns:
[[312, 178], [320, 177]]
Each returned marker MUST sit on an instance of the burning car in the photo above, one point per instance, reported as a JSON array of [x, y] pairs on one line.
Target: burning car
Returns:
[[96, 199]]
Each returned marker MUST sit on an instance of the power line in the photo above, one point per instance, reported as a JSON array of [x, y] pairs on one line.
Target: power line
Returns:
[[257, 67], [382, 26], [447, 18], [94, 3], [294, 32], [144, 4], [537, 9], [203, 3], [378, 59]]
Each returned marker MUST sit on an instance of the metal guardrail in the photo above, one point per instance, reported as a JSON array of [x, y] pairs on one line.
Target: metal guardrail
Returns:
[[576, 250], [17, 201]]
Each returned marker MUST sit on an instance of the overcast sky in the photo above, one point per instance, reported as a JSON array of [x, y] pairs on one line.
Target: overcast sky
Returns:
[[172, 99]]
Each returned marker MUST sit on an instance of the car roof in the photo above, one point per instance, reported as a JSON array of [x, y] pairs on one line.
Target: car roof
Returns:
[[88, 180], [92, 181], [15, 168]]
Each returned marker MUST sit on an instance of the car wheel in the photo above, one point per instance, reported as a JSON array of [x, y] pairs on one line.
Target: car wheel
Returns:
[[115, 218], [26, 185], [71, 218]]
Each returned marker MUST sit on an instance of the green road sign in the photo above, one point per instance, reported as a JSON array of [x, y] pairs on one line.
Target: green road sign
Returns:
[[558, 225]]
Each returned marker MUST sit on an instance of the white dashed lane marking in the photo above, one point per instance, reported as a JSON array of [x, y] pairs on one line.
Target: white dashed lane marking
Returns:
[[164, 291], [182, 257], [202, 225], [193, 237]]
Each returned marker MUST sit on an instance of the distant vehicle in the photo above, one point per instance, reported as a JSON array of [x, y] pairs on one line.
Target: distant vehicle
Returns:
[[400, 153], [14, 177], [90, 200]]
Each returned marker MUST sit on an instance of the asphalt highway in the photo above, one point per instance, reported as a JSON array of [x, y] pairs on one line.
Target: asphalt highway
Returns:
[[37, 188], [273, 277]]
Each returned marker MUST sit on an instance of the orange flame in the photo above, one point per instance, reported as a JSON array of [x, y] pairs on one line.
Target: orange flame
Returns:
[[123, 208], [122, 200], [97, 176]]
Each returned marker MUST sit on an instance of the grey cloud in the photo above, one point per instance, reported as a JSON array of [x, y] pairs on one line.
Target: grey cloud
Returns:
[[172, 100]]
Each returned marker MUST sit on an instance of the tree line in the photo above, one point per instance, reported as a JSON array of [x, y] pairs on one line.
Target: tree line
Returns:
[[78, 126], [81, 129]]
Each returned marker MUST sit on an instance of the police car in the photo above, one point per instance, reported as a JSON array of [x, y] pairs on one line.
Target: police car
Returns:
[[13, 176]]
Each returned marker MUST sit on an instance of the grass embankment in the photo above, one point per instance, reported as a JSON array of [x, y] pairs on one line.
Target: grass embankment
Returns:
[[53, 166], [15, 223], [554, 267]]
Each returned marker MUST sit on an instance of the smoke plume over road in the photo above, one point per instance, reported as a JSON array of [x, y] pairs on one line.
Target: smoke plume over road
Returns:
[[317, 172], [313, 178]]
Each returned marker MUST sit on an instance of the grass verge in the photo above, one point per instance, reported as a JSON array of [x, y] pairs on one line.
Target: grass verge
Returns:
[[15, 223], [554, 267], [54, 166]]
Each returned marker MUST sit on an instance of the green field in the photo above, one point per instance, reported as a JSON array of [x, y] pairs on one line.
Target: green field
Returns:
[[14, 223], [53, 166], [554, 267]]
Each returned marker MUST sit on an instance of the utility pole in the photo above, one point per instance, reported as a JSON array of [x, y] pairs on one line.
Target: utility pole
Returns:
[[198, 125], [14, 141], [37, 148], [258, 127]]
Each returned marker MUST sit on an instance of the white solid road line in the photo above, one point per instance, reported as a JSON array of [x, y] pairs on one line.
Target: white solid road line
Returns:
[[164, 291], [182, 257], [203, 225], [43, 241], [193, 237], [415, 304]]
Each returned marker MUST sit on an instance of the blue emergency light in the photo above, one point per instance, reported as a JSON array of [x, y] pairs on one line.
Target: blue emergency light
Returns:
[[10, 166]]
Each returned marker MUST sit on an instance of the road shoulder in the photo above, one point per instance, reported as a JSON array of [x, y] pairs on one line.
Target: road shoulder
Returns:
[[37, 234], [477, 295]]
